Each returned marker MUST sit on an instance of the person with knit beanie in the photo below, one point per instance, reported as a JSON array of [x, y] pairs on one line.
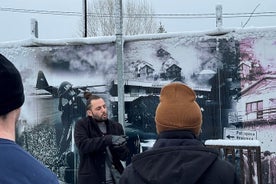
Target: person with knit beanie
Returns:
[[17, 165], [178, 109], [178, 156]]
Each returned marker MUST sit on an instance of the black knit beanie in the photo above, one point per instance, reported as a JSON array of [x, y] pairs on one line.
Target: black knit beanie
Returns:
[[11, 92]]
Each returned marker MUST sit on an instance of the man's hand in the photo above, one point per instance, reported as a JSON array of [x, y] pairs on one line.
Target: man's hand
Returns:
[[119, 140]]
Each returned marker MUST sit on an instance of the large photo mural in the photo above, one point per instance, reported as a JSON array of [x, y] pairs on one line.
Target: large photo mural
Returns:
[[233, 76], [55, 79]]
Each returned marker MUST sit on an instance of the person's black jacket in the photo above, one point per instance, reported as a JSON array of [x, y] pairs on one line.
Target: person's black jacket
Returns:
[[91, 144], [177, 157]]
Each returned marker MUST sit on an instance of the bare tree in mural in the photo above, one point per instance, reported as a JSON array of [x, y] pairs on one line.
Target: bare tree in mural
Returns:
[[137, 18]]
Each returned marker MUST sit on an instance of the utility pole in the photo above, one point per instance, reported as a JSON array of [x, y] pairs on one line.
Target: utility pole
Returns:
[[219, 16], [34, 28], [84, 3], [120, 62]]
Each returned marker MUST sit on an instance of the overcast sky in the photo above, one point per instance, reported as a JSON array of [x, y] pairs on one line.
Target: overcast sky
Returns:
[[15, 16]]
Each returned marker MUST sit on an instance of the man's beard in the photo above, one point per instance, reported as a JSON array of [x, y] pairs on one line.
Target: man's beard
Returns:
[[99, 118]]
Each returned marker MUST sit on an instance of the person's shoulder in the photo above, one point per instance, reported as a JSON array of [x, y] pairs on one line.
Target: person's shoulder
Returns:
[[115, 123], [223, 166], [30, 166], [40, 171], [83, 120], [112, 121], [82, 123], [47, 175], [12, 152]]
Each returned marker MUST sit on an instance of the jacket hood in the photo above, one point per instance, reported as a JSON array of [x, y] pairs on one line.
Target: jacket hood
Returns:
[[173, 161]]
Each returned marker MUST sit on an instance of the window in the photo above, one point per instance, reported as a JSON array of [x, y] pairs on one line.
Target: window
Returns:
[[254, 106]]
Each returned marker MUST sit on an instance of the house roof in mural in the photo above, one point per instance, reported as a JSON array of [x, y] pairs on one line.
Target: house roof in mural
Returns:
[[141, 62], [173, 66], [146, 66], [248, 63], [267, 84]]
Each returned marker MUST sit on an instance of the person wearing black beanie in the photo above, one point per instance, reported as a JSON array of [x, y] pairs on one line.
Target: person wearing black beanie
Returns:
[[17, 165], [12, 91]]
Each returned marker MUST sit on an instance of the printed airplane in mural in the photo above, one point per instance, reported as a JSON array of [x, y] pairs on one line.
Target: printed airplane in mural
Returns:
[[42, 83]]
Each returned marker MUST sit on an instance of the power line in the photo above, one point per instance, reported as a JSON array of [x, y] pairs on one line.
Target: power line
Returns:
[[160, 16], [201, 16], [51, 12]]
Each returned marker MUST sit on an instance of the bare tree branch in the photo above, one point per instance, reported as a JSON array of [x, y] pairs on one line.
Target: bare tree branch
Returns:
[[136, 19]]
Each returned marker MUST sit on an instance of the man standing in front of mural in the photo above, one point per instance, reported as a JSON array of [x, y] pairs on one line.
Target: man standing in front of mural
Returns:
[[96, 137], [177, 155], [17, 165]]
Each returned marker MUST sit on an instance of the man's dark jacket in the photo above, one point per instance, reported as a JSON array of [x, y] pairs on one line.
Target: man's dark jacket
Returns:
[[91, 144], [177, 157]]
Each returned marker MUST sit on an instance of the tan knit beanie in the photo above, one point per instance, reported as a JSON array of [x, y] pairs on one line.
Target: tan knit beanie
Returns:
[[178, 109]]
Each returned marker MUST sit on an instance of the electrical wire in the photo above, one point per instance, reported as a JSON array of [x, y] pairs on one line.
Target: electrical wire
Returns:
[[51, 12], [160, 16]]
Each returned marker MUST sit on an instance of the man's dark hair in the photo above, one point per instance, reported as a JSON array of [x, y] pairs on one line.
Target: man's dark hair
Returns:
[[89, 97]]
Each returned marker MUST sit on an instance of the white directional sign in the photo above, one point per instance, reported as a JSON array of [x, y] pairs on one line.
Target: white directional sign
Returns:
[[236, 134]]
